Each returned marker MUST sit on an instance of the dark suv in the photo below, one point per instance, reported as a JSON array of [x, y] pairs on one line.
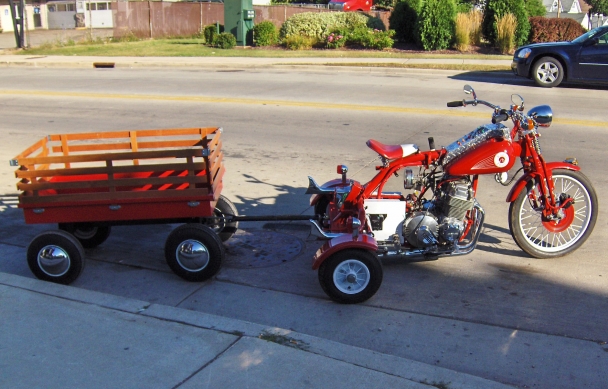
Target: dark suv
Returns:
[[584, 59]]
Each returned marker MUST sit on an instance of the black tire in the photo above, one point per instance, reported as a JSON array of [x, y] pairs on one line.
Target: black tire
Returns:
[[224, 207], [547, 72], [89, 235], [56, 256], [542, 238], [194, 252], [351, 276]]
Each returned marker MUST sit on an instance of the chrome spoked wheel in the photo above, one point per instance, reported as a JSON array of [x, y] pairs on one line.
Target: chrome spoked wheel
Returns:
[[351, 276], [548, 72], [553, 237]]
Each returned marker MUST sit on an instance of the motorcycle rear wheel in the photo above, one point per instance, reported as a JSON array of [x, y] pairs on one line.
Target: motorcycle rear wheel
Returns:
[[551, 239]]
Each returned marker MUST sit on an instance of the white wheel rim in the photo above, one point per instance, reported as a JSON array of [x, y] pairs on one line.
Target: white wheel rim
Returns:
[[53, 261], [547, 72], [541, 238], [351, 276], [192, 255]]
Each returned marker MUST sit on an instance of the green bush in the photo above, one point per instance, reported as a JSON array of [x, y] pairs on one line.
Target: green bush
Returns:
[[535, 8], [404, 20], [495, 9], [436, 24], [299, 42], [209, 32], [319, 25], [335, 40], [265, 34], [375, 23], [224, 40], [554, 30], [378, 40]]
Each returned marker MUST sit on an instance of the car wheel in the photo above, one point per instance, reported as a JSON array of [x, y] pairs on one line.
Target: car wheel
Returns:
[[548, 72]]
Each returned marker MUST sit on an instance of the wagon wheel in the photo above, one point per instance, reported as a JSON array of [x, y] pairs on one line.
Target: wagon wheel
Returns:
[[89, 235], [55, 256], [194, 252], [223, 208]]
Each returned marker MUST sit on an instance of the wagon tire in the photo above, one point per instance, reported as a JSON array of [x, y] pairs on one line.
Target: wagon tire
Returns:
[[194, 252], [351, 276], [56, 256], [547, 72], [223, 208], [90, 236]]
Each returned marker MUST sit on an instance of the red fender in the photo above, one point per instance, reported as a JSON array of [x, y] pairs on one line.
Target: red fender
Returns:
[[346, 241], [523, 181]]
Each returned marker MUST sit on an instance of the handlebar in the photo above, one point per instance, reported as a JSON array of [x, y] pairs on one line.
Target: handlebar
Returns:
[[456, 103]]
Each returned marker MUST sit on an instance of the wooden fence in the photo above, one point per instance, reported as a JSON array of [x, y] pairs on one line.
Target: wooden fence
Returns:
[[153, 19]]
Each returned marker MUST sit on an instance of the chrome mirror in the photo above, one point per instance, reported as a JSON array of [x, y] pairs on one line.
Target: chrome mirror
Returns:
[[468, 89], [518, 100]]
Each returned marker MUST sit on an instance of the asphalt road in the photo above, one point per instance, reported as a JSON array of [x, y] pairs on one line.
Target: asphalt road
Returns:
[[495, 313]]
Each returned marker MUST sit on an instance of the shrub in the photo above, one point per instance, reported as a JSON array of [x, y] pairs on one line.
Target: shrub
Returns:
[[535, 8], [404, 20], [506, 26], [378, 40], [462, 32], [554, 30], [299, 42], [436, 24], [375, 23], [335, 40], [209, 33], [319, 25], [224, 40], [475, 18], [495, 9], [265, 34]]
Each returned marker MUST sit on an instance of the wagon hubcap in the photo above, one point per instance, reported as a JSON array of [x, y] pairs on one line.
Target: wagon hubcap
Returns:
[[53, 261], [192, 255], [351, 276]]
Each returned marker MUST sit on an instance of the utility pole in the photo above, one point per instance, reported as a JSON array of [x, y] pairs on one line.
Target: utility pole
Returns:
[[17, 15], [559, 7]]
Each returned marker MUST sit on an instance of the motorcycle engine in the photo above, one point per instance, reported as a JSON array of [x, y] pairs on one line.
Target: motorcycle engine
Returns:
[[442, 221]]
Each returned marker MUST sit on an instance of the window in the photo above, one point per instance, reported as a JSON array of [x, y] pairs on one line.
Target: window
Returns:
[[91, 6], [102, 6]]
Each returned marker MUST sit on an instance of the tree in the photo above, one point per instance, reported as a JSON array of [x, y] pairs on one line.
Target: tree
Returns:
[[495, 9], [436, 24], [598, 6], [404, 20], [535, 8]]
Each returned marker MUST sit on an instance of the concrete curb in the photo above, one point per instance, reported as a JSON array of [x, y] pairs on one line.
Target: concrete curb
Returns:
[[410, 370]]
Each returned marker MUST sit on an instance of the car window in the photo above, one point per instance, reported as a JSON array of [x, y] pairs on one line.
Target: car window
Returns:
[[603, 40], [589, 34]]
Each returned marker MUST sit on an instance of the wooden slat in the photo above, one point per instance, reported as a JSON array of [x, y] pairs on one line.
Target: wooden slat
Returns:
[[158, 154], [40, 145], [153, 168], [123, 182], [41, 201]]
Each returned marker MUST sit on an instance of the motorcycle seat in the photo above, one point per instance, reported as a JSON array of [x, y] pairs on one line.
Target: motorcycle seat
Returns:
[[392, 151]]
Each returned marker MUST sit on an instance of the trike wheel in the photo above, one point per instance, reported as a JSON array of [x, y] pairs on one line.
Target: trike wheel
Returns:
[[55, 256], [223, 208], [351, 276], [89, 235], [194, 252], [542, 238]]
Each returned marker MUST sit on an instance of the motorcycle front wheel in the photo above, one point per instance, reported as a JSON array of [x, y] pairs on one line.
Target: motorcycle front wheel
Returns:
[[544, 238]]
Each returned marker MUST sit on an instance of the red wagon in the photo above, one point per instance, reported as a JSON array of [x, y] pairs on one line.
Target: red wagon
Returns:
[[88, 182]]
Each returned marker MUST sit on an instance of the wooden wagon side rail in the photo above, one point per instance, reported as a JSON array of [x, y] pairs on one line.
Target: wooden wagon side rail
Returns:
[[100, 166]]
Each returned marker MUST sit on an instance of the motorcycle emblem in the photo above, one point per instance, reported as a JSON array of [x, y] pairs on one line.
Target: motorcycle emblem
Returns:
[[501, 159]]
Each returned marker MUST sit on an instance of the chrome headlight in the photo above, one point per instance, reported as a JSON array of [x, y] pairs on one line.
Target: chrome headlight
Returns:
[[542, 115], [524, 53]]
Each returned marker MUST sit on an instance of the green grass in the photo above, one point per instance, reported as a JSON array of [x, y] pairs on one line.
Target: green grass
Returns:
[[196, 48]]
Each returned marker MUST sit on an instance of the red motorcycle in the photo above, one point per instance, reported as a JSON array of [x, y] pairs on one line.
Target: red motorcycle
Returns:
[[552, 213]]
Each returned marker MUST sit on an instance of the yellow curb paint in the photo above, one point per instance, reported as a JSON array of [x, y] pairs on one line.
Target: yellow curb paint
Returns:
[[288, 103]]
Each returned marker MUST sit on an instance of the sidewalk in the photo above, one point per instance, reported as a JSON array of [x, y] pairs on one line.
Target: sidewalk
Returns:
[[226, 63], [94, 340]]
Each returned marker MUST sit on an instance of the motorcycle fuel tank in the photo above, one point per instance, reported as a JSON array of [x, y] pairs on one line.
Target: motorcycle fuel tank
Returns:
[[486, 150]]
